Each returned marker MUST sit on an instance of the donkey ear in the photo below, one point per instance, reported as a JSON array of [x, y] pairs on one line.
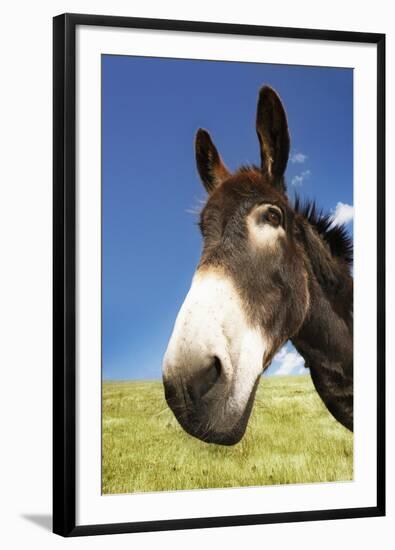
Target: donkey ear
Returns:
[[273, 135], [210, 166]]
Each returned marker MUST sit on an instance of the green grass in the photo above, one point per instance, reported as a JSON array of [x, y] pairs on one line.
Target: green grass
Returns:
[[291, 438]]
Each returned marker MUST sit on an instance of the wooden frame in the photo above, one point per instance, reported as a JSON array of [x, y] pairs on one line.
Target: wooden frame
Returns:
[[64, 273]]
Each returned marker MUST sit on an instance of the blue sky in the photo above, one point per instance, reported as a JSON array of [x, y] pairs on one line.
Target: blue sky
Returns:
[[151, 109]]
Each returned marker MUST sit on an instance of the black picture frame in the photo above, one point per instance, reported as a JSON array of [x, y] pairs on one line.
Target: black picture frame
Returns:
[[64, 273]]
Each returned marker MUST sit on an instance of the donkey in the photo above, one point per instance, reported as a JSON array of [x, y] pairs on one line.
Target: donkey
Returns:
[[269, 272]]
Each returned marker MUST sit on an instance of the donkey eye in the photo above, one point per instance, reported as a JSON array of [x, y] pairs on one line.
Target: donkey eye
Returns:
[[273, 216]]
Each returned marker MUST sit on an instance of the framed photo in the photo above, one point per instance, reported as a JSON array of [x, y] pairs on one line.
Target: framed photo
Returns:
[[218, 275]]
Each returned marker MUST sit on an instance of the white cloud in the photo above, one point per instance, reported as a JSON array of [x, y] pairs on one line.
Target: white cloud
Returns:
[[298, 180], [281, 354], [343, 213], [298, 158], [290, 363]]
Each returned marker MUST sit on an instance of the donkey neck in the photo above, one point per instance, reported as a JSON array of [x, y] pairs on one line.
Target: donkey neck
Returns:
[[325, 339]]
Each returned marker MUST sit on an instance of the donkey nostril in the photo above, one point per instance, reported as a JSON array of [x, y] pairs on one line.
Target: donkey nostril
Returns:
[[211, 375], [202, 382], [216, 367]]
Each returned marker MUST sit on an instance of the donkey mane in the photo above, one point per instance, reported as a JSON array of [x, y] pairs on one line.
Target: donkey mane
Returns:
[[336, 236]]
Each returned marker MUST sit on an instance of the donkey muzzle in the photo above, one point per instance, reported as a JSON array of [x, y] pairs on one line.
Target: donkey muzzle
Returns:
[[213, 361]]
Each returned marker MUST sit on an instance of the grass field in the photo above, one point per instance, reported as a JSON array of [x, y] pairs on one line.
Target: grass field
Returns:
[[291, 438]]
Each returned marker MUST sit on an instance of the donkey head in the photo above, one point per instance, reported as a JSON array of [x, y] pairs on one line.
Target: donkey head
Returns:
[[249, 294]]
